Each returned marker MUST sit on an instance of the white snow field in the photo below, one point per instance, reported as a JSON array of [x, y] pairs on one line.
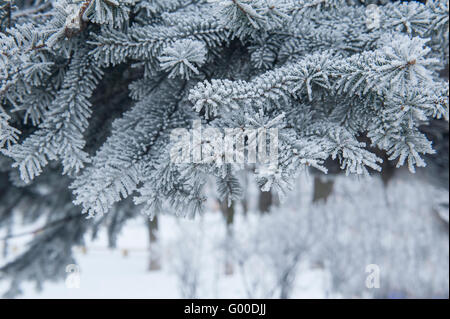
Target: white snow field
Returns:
[[193, 256], [108, 273]]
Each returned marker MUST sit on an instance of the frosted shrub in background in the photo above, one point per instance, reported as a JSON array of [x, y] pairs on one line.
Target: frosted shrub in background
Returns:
[[393, 227], [363, 222]]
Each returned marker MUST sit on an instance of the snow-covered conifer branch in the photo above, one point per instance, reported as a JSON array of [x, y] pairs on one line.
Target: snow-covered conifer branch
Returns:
[[383, 75], [147, 43], [245, 17], [60, 135], [8, 134], [317, 70], [183, 58], [137, 141]]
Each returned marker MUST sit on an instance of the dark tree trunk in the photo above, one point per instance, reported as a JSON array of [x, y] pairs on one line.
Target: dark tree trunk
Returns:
[[322, 189], [228, 214], [244, 200], [265, 201], [155, 258]]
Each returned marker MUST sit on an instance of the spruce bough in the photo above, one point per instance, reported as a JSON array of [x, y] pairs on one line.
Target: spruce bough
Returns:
[[91, 90]]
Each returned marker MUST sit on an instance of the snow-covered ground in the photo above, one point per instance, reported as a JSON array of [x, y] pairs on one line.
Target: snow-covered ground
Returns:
[[194, 251], [122, 272]]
